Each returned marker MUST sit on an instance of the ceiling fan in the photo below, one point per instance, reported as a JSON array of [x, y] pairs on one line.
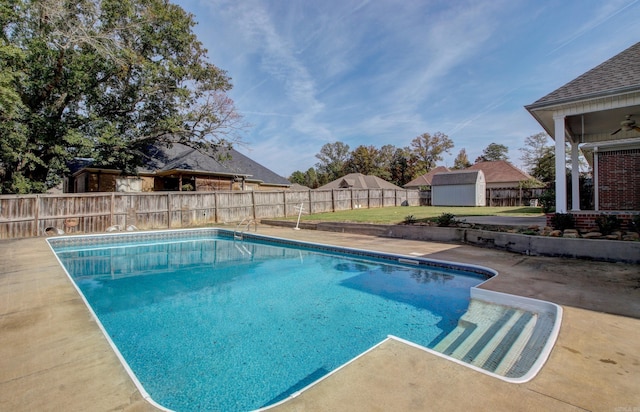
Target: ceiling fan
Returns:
[[627, 125]]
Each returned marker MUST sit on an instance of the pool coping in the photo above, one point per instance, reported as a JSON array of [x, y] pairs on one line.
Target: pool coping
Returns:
[[476, 292]]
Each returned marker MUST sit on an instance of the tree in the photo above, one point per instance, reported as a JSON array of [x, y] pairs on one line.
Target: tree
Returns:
[[363, 159], [493, 153], [297, 177], [369, 160], [400, 172], [544, 167], [428, 150], [461, 161], [332, 158], [536, 146], [103, 79], [308, 178]]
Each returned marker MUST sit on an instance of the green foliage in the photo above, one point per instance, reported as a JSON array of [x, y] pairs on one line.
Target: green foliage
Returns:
[[428, 150], [102, 79], [308, 178], [333, 157], [562, 221], [410, 220], [544, 167], [548, 201], [529, 183], [634, 224], [494, 152], [538, 157], [608, 224], [461, 161], [445, 219]]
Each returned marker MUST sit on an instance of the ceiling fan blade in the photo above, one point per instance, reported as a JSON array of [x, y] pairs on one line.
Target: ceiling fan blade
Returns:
[[636, 128], [616, 131]]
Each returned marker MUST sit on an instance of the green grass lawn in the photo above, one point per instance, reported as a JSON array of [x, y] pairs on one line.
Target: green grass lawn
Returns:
[[393, 215]]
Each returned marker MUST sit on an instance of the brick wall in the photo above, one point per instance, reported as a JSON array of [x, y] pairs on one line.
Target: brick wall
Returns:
[[619, 180], [586, 221]]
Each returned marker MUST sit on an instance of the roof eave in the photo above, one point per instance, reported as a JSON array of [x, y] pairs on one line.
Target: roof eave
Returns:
[[199, 172], [584, 97]]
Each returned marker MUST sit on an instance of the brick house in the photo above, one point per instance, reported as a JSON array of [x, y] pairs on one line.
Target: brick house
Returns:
[[599, 114], [177, 168]]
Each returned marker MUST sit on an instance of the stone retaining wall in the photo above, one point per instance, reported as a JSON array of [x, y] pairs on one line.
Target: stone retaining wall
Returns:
[[591, 249]]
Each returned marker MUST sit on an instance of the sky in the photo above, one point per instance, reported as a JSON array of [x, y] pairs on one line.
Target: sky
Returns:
[[310, 72]]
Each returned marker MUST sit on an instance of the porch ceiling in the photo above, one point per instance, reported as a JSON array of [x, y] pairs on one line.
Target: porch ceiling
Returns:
[[591, 121]]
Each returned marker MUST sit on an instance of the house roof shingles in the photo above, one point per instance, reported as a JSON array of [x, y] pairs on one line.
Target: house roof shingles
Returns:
[[359, 181], [225, 162], [500, 171], [425, 179], [619, 73]]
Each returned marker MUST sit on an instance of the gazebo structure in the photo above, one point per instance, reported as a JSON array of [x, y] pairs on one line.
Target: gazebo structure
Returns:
[[599, 113]]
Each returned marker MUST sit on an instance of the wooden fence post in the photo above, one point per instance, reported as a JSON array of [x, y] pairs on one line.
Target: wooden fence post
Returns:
[[215, 207], [112, 208], [36, 213], [333, 201], [253, 202], [169, 210], [284, 202]]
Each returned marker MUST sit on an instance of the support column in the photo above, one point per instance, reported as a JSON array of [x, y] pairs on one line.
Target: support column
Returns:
[[561, 181], [575, 178]]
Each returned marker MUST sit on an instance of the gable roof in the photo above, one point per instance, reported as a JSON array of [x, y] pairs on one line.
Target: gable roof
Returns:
[[500, 171], [621, 73], [458, 177], [161, 159], [359, 181], [425, 179]]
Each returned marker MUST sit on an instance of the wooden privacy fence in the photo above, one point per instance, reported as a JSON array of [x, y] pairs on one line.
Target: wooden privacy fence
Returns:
[[31, 215], [512, 196]]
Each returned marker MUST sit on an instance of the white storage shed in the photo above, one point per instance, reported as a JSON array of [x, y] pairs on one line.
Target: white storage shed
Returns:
[[459, 188]]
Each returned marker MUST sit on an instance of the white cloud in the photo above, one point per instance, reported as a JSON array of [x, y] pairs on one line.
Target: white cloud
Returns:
[[382, 72]]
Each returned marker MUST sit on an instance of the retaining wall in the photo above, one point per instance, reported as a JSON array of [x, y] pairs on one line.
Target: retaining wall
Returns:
[[591, 249]]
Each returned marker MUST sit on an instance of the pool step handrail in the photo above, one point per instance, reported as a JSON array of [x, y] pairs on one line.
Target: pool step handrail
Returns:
[[244, 226]]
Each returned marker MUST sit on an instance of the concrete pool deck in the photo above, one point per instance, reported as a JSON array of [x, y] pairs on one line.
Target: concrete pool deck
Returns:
[[53, 355]]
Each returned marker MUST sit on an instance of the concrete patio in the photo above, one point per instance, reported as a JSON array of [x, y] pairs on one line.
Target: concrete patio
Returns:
[[53, 355]]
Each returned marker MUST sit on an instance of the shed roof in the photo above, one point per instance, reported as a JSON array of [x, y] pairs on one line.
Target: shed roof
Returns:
[[360, 181], [459, 177]]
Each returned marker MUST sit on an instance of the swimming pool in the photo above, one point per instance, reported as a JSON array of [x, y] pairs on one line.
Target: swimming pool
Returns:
[[209, 323]]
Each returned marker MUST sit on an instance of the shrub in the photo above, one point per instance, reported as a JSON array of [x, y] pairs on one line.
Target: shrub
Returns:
[[634, 224], [548, 201], [562, 221], [446, 219], [607, 224], [410, 220]]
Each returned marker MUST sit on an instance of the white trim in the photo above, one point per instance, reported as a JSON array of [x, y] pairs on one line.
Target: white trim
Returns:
[[632, 143], [561, 181], [575, 178]]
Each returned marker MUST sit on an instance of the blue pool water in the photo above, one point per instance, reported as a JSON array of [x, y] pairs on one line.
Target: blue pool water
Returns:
[[209, 323]]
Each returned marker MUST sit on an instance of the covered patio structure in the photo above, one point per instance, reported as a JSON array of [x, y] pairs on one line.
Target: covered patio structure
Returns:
[[598, 113]]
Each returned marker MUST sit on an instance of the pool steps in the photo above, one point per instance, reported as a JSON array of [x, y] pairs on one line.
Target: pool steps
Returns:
[[500, 339]]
